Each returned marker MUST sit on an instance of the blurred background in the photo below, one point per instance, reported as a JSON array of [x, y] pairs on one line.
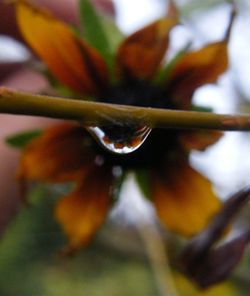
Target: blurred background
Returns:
[[115, 263]]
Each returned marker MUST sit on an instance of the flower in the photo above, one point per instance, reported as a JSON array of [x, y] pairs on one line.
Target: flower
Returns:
[[135, 75]]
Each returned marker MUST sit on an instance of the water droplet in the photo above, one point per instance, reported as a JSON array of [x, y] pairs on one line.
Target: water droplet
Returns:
[[117, 171], [120, 139], [99, 160]]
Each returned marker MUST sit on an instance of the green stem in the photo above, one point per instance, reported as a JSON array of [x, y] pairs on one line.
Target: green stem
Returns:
[[96, 114]]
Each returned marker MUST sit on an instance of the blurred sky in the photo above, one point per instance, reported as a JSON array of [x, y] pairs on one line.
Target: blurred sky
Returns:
[[226, 163]]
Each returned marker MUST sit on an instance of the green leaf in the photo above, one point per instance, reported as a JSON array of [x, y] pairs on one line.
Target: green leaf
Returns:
[[201, 108], [22, 139], [114, 34], [93, 29], [142, 179]]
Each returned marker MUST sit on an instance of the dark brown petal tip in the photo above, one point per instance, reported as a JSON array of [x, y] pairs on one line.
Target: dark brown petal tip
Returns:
[[204, 262]]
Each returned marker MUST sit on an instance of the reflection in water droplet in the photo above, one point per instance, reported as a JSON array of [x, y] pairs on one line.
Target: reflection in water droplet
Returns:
[[120, 139]]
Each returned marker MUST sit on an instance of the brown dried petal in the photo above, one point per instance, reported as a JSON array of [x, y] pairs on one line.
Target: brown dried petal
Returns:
[[140, 55], [206, 264], [219, 263]]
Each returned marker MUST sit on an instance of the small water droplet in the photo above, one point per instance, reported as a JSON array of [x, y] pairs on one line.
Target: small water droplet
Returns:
[[120, 139], [99, 160], [117, 171]]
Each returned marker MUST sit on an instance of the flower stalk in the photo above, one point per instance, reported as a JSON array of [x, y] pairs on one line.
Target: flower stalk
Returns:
[[156, 252], [96, 114]]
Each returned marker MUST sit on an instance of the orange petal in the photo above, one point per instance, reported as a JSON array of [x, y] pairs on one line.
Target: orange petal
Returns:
[[140, 55], [58, 155], [73, 62], [199, 140], [82, 212], [184, 199], [195, 69]]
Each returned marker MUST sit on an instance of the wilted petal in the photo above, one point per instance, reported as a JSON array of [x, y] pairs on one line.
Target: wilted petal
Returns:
[[207, 264], [58, 155], [82, 212], [219, 263], [73, 62], [198, 68], [184, 199], [195, 69], [198, 140], [140, 55], [172, 10]]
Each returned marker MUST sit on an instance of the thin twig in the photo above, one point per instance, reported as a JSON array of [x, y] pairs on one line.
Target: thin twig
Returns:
[[96, 114]]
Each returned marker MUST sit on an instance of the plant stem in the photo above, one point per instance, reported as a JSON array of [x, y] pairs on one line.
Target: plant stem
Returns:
[[157, 256], [99, 114]]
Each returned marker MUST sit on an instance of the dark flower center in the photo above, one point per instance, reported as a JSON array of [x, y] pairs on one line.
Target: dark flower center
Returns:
[[160, 144], [138, 93], [160, 147]]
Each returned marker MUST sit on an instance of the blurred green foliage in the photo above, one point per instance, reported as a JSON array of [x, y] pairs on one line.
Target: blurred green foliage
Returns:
[[30, 263], [20, 140]]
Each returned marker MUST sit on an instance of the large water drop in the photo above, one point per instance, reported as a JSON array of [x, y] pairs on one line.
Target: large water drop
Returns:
[[120, 139]]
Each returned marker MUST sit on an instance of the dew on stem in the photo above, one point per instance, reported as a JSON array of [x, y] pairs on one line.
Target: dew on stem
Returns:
[[120, 139]]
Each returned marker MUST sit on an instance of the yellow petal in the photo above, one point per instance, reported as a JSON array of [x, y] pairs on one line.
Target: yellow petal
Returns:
[[184, 199], [58, 155], [73, 62], [82, 212], [199, 140], [195, 69], [140, 55], [185, 287]]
